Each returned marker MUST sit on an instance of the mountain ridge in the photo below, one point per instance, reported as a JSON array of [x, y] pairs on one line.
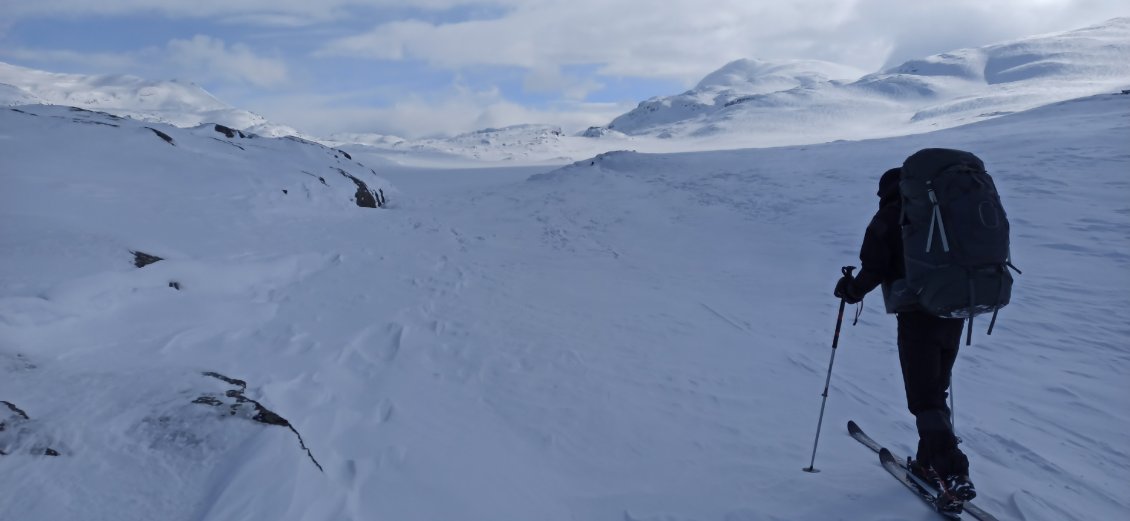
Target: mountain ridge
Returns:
[[745, 103], [931, 91]]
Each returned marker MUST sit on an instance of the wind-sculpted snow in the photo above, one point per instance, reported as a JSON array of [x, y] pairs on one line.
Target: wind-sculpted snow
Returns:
[[632, 336]]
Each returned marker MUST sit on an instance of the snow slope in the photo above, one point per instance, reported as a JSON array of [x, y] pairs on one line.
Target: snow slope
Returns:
[[632, 337], [174, 102]]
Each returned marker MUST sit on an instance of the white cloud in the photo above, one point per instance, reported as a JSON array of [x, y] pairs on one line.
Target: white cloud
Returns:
[[208, 58], [93, 61], [917, 29], [456, 111], [551, 79], [685, 39], [267, 11], [201, 58], [549, 39]]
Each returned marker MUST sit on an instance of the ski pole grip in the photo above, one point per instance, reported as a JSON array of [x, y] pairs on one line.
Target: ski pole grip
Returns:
[[846, 270]]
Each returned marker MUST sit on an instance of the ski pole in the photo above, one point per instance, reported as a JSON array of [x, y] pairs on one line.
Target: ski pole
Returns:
[[846, 270], [953, 412]]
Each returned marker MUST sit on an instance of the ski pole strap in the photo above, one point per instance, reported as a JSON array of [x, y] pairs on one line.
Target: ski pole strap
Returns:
[[972, 305]]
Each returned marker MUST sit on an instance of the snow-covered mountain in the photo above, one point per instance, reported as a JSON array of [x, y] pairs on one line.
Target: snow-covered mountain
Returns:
[[633, 337], [742, 100], [175, 102], [750, 103], [735, 81], [518, 144], [745, 103]]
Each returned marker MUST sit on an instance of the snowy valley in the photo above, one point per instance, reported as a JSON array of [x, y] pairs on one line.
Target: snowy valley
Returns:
[[332, 333]]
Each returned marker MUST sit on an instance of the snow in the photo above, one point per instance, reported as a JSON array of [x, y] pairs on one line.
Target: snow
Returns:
[[745, 103], [639, 335], [917, 96], [760, 103], [632, 336], [174, 102]]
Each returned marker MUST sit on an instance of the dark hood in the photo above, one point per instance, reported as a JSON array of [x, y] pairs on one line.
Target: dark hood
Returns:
[[889, 186]]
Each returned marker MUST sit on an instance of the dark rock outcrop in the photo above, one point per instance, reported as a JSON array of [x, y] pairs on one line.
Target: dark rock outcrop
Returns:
[[142, 259], [168, 139], [228, 131], [236, 403], [15, 431], [365, 198]]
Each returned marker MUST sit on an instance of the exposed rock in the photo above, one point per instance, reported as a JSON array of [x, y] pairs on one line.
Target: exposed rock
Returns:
[[320, 178], [92, 122], [228, 131], [234, 381], [209, 400], [12, 407], [175, 285], [97, 112], [17, 430], [229, 143], [364, 197], [346, 154], [142, 259], [240, 405], [168, 139]]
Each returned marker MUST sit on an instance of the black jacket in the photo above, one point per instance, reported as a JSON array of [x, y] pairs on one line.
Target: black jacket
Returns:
[[881, 255]]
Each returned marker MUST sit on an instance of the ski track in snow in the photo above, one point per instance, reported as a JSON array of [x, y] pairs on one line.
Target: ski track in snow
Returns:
[[632, 337]]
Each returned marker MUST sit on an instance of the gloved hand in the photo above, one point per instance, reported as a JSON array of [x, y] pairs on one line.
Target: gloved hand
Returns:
[[845, 289]]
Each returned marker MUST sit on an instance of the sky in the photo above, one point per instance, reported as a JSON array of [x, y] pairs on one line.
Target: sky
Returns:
[[442, 67]]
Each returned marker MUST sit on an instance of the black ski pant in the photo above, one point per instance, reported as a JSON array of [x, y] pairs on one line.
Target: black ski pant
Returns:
[[928, 347]]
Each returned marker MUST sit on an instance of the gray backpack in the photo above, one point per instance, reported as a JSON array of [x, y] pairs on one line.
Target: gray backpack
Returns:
[[954, 235]]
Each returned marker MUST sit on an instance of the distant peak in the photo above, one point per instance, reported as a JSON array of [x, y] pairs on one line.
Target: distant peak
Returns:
[[745, 71]]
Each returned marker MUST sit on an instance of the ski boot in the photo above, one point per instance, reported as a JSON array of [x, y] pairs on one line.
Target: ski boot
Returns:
[[953, 491], [960, 487]]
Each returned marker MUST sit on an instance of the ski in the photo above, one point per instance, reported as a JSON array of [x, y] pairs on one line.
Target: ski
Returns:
[[862, 437]]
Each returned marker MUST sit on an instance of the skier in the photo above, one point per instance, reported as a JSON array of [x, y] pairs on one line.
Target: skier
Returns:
[[927, 347]]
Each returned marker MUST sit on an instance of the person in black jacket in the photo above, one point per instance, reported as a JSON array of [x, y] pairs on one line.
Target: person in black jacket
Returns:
[[927, 347]]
